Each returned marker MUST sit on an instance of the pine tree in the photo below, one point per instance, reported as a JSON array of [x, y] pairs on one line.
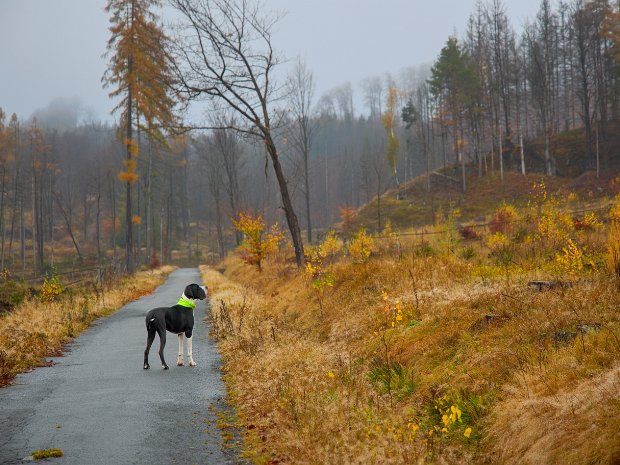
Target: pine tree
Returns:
[[140, 74], [453, 83]]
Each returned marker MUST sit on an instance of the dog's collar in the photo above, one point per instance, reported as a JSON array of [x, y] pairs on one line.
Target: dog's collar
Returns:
[[185, 302]]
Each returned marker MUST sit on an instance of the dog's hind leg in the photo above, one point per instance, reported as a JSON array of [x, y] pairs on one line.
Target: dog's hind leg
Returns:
[[162, 344], [189, 350], [180, 357], [149, 341]]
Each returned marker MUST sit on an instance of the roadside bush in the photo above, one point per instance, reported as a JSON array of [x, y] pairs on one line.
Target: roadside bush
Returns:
[[503, 220], [12, 293], [257, 242], [51, 289], [362, 246]]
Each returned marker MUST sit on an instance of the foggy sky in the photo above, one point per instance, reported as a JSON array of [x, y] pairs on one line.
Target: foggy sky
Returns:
[[54, 48]]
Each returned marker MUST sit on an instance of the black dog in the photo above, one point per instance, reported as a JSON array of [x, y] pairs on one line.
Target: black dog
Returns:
[[178, 319]]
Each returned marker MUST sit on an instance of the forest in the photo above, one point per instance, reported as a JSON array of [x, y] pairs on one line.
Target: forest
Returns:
[[494, 100]]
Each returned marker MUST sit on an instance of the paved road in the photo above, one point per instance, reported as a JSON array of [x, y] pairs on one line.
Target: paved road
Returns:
[[99, 406]]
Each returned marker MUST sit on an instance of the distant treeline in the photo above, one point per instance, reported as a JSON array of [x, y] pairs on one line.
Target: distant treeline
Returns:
[[493, 100]]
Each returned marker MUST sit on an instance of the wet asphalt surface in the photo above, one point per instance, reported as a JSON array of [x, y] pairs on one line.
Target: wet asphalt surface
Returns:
[[100, 406]]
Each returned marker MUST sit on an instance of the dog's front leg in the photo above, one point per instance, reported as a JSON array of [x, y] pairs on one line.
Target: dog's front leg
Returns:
[[180, 357], [189, 352]]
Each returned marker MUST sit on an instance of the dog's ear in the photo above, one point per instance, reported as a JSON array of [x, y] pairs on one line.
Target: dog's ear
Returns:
[[194, 291], [200, 292]]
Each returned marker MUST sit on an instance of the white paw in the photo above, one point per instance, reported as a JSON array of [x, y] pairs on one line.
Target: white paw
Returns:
[[192, 363]]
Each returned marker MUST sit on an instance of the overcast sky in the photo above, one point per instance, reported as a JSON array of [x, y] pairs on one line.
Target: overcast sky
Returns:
[[54, 48]]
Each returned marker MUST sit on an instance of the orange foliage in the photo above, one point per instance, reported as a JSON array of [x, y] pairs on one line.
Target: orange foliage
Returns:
[[347, 214]]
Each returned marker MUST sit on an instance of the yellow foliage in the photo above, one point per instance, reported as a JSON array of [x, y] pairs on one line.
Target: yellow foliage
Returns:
[[313, 261], [589, 222], [51, 289], [347, 214], [571, 259], [497, 241], [539, 192], [390, 236], [362, 246], [257, 243], [331, 246], [392, 313], [554, 227], [613, 249], [614, 212], [136, 219], [503, 219]]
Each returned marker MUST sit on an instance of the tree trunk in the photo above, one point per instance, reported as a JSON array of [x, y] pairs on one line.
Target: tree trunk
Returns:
[[218, 225], [129, 133], [98, 222], [113, 198], [69, 228], [378, 205], [307, 187], [522, 154], [2, 225], [149, 206], [291, 217]]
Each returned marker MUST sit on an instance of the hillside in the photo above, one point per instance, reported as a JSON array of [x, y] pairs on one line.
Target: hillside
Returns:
[[413, 206], [500, 347]]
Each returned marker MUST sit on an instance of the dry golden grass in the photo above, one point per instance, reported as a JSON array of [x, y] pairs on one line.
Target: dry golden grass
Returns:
[[35, 330], [535, 374]]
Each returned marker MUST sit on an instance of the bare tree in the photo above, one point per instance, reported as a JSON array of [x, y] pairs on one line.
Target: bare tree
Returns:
[[301, 96], [373, 95], [226, 145], [540, 39], [225, 55], [214, 165], [343, 95]]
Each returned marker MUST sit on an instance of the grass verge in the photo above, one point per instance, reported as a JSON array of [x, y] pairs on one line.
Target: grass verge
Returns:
[[35, 330], [413, 357]]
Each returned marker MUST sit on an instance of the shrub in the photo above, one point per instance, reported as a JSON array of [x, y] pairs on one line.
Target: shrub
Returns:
[[362, 246], [390, 237], [468, 253], [51, 289], [347, 214], [613, 250], [257, 243], [468, 233], [570, 261], [587, 223], [12, 293], [331, 246], [503, 219]]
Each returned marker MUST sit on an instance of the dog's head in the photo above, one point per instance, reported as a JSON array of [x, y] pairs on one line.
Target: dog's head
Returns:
[[194, 291]]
